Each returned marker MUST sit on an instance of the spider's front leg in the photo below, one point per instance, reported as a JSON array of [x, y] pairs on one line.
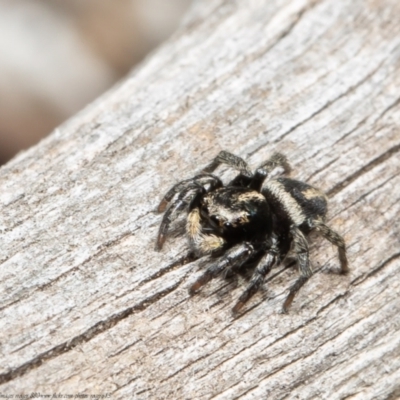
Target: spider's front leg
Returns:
[[189, 190], [263, 268], [233, 258], [183, 201], [199, 180]]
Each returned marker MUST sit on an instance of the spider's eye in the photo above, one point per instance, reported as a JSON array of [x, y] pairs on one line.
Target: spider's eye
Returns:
[[215, 219], [227, 225]]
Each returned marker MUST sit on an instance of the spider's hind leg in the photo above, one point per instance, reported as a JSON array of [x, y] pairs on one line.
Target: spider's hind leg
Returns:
[[335, 239], [301, 250]]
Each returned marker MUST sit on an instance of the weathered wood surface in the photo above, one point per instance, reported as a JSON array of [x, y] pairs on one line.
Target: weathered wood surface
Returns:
[[88, 305]]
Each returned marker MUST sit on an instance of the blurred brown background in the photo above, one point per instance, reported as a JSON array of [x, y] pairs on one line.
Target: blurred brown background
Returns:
[[58, 55]]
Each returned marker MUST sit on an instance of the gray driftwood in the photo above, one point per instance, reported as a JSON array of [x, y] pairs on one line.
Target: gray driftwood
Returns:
[[88, 306]]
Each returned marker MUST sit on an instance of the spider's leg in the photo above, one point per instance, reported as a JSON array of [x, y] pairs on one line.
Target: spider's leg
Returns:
[[263, 268], [335, 239], [275, 161], [262, 172], [202, 180], [301, 251], [201, 243], [182, 202], [233, 258], [231, 160]]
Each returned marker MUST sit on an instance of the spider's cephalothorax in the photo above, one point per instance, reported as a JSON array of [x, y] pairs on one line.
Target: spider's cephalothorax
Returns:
[[250, 220], [236, 213]]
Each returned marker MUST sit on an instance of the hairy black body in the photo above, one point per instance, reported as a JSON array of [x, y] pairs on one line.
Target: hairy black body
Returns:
[[251, 220]]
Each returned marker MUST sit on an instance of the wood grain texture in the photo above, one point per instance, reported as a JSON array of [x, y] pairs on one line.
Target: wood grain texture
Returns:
[[88, 305]]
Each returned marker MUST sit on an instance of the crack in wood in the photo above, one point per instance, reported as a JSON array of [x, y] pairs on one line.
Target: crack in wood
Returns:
[[89, 334], [366, 168], [308, 355], [68, 272], [363, 278], [330, 102], [323, 168], [180, 262], [362, 197]]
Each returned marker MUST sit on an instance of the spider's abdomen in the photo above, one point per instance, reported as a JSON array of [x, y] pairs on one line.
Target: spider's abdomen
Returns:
[[295, 201]]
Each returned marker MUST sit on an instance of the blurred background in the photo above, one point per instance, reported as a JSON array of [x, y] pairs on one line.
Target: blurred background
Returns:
[[58, 55]]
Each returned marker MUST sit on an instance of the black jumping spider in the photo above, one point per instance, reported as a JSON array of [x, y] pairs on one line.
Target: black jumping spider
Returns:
[[251, 220]]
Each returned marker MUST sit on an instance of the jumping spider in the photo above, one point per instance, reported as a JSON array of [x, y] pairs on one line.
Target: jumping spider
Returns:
[[251, 220]]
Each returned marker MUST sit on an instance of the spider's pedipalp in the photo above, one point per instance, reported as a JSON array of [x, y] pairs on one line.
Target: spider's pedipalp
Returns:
[[200, 242], [234, 258]]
